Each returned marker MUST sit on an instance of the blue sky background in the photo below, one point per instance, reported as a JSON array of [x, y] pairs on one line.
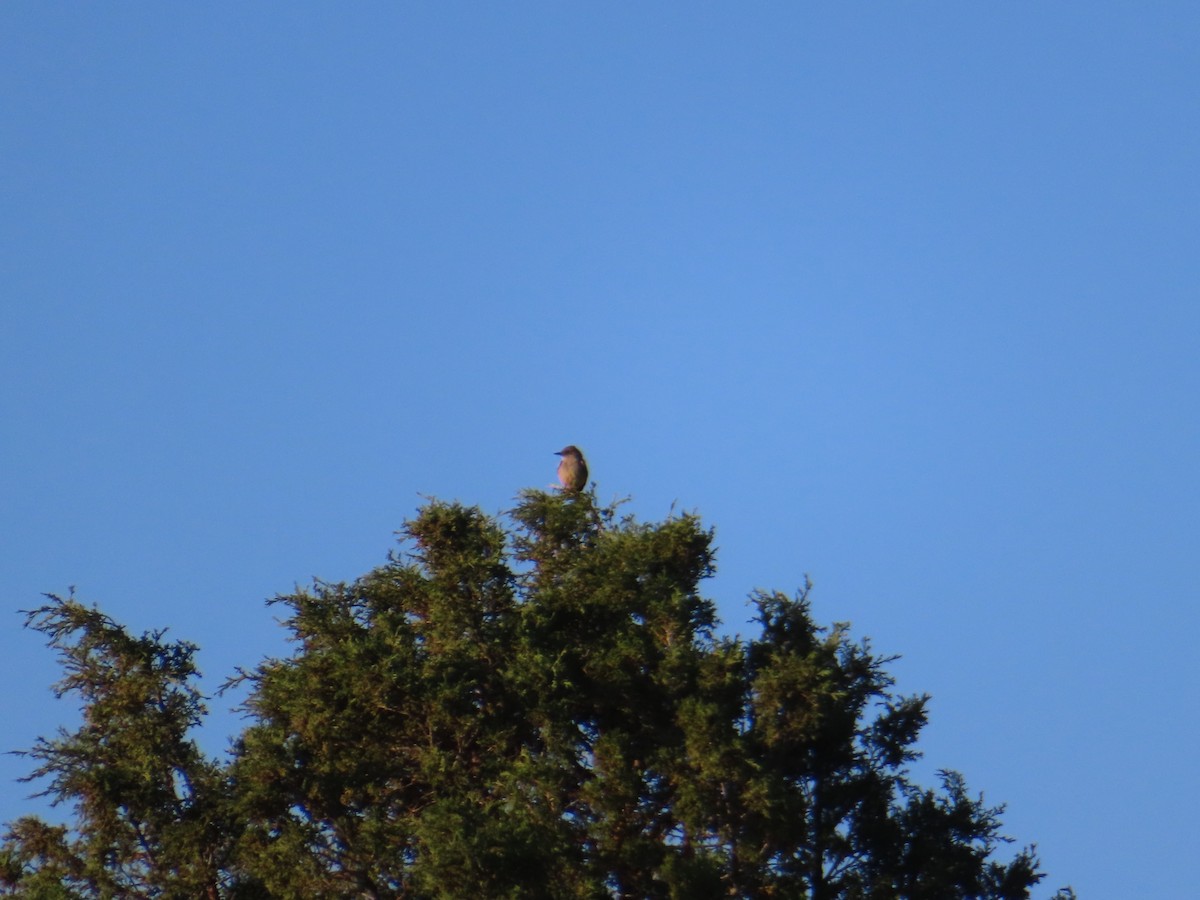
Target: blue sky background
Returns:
[[900, 296]]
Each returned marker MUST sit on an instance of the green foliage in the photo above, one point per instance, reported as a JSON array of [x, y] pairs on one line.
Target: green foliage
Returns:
[[538, 711], [151, 815]]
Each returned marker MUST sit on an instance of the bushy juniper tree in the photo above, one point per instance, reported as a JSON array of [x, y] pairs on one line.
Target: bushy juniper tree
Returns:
[[543, 710], [152, 817]]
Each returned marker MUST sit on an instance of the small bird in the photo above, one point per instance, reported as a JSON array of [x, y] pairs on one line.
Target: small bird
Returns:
[[572, 471]]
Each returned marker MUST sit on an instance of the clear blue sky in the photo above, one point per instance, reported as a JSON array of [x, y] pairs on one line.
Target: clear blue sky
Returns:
[[901, 296]]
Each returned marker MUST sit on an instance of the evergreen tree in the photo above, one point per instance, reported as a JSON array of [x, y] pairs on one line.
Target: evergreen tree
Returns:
[[151, 813], [538, 710]]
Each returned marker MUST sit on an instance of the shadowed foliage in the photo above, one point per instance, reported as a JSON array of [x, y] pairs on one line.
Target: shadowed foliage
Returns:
[[532, 707]]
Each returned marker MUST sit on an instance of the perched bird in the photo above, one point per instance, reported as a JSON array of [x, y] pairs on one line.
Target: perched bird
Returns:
[[572, 471]]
